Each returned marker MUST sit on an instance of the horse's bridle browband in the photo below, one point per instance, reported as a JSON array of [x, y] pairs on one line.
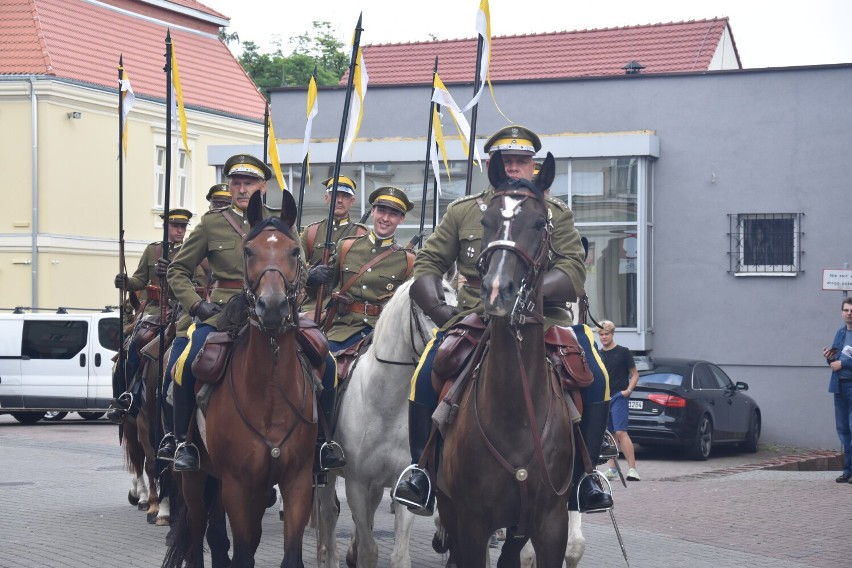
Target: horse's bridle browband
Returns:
[[292, 291]]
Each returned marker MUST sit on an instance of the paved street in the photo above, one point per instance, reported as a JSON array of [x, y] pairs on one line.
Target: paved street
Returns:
[[63, 490]]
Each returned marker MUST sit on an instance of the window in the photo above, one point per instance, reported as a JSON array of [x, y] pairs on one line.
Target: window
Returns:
[[109, 333], [766, 244], [179, 192], [58, 339]]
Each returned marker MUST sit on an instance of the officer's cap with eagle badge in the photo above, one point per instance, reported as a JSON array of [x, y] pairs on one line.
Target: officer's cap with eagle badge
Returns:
[[514, 139]]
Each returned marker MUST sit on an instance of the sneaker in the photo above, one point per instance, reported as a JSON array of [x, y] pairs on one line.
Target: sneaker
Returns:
[[633, 475], [844, 478], [612, 473]]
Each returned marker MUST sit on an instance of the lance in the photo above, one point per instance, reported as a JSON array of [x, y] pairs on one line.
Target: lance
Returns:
[[472, 141], [122, 266], [304, 177], [418, 238], [164, 291], [266, 140], [338, 158]]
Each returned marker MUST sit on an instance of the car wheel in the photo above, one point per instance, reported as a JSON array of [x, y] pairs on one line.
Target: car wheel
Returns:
[[28, 417], [54, 416], [91, 415], [701, 445], [753, 434]]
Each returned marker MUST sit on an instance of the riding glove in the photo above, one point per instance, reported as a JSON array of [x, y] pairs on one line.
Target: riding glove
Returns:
[[205, 310], [428, 293], [162, 267], [557, 287], [121, 280], [319, 274]]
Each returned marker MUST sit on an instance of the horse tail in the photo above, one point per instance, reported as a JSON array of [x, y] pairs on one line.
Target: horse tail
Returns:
[[178, 541]]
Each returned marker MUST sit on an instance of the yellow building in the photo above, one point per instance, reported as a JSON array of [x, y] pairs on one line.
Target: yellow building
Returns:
[[59, 223]]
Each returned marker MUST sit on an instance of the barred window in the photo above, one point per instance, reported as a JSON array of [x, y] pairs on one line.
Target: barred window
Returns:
[[766, 244]]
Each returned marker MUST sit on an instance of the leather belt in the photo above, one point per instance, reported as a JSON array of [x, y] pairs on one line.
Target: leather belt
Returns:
[[229, 284], [372, 310], [471, 282]]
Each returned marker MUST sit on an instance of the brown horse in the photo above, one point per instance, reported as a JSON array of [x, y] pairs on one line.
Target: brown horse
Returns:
[[507, 457], [260, 421]]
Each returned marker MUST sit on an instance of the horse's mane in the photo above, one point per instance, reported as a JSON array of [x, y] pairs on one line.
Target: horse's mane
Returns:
[[235, 314], [277, 223]]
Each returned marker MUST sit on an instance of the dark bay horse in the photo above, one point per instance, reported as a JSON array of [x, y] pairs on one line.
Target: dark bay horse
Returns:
[[508, 455], [261, 418]]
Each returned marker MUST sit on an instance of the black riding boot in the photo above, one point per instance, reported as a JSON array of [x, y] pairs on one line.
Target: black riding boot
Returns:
[[128, 401], [166, 451], [593, 497], [186, 454], [329, 454], [415, 492]]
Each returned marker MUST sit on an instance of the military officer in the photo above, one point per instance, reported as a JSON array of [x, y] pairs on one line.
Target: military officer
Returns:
[[145, 278], [218, 196], [218, 238], [368, 269], [456, 239], [313, 236]]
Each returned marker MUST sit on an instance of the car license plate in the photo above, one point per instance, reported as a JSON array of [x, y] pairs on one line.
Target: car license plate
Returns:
[[634, 404]]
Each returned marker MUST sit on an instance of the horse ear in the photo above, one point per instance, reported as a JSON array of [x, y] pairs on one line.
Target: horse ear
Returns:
[[288, 208], [547, 173], [254, 211], [496, 169]]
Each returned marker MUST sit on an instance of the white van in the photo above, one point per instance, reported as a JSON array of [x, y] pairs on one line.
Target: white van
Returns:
[[56, 362]]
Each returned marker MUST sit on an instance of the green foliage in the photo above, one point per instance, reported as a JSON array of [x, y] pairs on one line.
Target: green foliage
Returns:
[[318, 48]]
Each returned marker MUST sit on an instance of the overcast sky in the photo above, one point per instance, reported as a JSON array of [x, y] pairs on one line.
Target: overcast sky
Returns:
[[768, 33]]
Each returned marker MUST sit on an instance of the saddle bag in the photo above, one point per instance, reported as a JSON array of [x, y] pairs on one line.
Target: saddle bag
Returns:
[[147, 330], [343, 303], [346, 358], [313, 341], [456, 349], [567, 358], [210, 363]]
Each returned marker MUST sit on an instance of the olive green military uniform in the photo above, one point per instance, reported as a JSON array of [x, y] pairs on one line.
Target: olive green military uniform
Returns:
[[458, 237], [372, 288], [314, 250], [217, 241], [146, 274]]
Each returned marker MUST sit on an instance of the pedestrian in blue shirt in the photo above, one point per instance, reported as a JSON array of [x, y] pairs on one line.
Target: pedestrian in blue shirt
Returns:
[[839, 358]]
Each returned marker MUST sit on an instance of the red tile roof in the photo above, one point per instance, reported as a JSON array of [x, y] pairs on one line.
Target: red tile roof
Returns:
[[82, 41], [661, 48]]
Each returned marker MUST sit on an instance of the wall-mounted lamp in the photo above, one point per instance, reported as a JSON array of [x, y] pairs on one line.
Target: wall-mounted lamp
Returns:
[[76, 115]]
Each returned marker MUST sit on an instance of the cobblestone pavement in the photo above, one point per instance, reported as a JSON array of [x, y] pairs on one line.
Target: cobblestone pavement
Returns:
[[63, 488]]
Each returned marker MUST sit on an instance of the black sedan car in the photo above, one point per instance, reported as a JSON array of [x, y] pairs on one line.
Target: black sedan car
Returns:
[[692, 404]]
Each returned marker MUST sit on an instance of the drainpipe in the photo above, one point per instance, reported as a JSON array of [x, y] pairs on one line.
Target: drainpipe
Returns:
[[34, 237]]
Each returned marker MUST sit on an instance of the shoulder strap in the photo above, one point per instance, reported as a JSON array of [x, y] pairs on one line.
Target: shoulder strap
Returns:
[[233, 223], [409, 255], [311, 239], [391, 249], [344, 248]]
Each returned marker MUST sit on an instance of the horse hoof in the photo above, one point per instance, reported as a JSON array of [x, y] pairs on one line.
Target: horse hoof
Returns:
[[151, 518], [162, 522], [440, 544], [351, 558], [132, 499], [142, 505]]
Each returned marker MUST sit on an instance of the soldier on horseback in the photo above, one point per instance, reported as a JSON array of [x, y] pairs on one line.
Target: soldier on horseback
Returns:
[[218, 239], [457, 240], [145, 278], [343, 227]]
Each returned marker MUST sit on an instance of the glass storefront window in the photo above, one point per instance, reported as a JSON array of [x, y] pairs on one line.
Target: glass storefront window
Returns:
[[604, 190], [612, 270]]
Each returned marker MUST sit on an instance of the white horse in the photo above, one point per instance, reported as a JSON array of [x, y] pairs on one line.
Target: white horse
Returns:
[[372, 428]]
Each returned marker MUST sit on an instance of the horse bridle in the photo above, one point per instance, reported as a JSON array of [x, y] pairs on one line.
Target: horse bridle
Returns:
[[291, 288], [534, 264]]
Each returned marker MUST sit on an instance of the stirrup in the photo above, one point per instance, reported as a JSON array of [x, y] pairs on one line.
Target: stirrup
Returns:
[[413, 505], [164, 443], [595, 473], [333, 447], [609, 448], [124, 398], [190, 448]]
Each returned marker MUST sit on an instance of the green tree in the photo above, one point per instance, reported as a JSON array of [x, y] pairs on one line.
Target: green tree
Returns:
[[318, 48]]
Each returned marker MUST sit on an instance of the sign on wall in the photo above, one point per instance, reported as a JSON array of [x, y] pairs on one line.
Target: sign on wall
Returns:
[[836, 279]]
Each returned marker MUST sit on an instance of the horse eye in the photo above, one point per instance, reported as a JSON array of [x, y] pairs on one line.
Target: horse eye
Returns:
[[248, 251], [297, 252], [539, 225]]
